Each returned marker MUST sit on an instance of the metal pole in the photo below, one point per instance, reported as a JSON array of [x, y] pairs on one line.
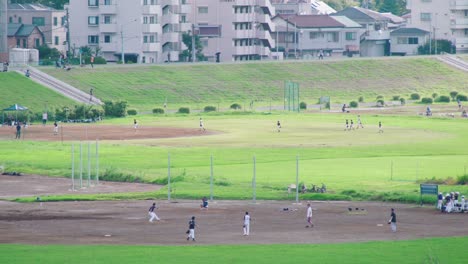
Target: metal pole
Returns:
[[122, 57], [97, 162], [254, 183], [168, 176], [89, 164], [211, 180], [391, 171], [81, 164], [297, 179], [277, 55], [73, 166], [193, 44], [295, 41]]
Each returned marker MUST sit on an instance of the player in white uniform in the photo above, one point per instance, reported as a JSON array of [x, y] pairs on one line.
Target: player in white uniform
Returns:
[[135, 124], [202, 127], [309, 216], [359, 123], [55, 128], [152, 214], [246, 224]]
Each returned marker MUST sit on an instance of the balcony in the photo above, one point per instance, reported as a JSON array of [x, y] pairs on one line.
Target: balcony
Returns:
[[459, 23], [170, 18], [243, 18], [151, 10], [245, 33], [266, 20], [169, 2], [151, 28], [151, 47], [108, 28], [266, 37], [109, 47], [377, 35], [266, 6], [244, 50], [108, 9], [263, 51], [170, 37], [459, 4], [185, 9]]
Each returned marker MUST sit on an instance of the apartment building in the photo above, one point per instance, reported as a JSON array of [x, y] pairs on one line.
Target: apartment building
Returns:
[[305, 36], [245, 28], [3, 31], [302, 7], [459, 24], [144, 31], [50, 21]]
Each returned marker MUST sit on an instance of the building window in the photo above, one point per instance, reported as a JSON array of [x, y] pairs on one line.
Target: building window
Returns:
[[107, 39], [20, 20], [62, 21], [37, 42], [25, 43], [350, 35], [202, 10], [10, 20], [38, 21], [107, 19], [18, 43], [56, 40], [152, 39], [145, 39], [93, 20], [55, 21], [426, 17], [402, 40], [316, 35], [93, 3], [107, 2], [153, 20], [466, 31], [93, 39], [333, 37], [413, 41], [183, 19]]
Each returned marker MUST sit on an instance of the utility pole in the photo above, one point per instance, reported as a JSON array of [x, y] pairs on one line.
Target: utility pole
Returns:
[[68, 34], [193, 44], [122, 56]]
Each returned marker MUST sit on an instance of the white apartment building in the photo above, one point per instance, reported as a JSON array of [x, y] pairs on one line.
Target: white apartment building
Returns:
[[3, 31], [245, 28], [49, 20], [145, 31], [445, 19]]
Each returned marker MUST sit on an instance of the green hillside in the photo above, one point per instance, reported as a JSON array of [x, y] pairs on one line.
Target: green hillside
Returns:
[[145, 87], [17, 89]]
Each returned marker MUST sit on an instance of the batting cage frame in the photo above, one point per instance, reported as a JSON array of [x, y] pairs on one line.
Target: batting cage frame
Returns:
[[291, 96]]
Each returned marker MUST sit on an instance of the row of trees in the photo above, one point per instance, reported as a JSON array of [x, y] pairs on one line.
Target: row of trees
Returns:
[[397, 7]]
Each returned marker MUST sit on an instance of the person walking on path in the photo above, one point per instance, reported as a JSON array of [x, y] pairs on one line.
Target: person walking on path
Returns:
[[392, 221], [191, 230], [18, 130], [309, 216], [152, 214], [91, 60], [246, 224]]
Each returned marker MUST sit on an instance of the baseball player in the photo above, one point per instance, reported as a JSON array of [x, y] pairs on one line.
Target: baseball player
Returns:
[[135, 124], [202, 127], [440, 197], [359, 123], [278, 126], [152, 214], [351, 126], [309, 216], [55, 128], [380, 127], [246, 224], [392, 221], [191, 231], [347, 125]]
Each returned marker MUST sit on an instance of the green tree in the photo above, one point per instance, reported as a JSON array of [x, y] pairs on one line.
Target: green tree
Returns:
[[187, 54], [396, 7], [57, 4], [442, 46]]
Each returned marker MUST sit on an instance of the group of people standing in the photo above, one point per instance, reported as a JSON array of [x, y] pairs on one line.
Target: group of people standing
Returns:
[[450, 203]]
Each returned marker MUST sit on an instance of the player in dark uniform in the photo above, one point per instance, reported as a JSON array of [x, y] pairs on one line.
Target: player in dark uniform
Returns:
[[392, 220], [278, 125], [191, 231]]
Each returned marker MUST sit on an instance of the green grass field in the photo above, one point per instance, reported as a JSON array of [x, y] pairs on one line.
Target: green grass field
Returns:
[[145, 88], [17, 89], [436, 250], [354, 165]]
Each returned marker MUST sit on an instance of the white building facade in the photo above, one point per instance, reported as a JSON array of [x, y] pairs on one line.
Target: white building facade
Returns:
[[145, 31]]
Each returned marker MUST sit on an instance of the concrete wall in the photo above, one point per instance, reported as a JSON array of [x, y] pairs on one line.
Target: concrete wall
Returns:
[[408, 49]]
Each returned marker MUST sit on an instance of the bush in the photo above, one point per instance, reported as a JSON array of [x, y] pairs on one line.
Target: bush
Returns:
[[353, 104], [235, 106], [462, 97], [427, 100], [462, 180], [453, 94], [303, 105], [132, 112], [402, 101], [184, 110], [415, 96], [115, 109], [361, 99], [379, 97], [435, 95], [158, 111], [396, 98], [380, 102], [443, 99], [209, 108]]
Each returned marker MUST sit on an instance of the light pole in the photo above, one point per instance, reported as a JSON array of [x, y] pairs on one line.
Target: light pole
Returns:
[[193, 44], [122, 57], [295, 40], [301, 32]]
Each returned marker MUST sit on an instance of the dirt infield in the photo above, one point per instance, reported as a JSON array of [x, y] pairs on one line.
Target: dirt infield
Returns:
[[93, 131], [126, 222]]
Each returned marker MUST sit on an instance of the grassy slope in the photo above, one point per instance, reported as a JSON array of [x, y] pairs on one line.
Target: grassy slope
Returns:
[[17, 89], [358, 160], [198, 85], [437, 250]]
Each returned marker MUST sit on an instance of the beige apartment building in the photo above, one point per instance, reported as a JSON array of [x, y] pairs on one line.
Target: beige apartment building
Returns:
[[50, 21], [445, 19], [145, 31], [3, 31], [245, 28]]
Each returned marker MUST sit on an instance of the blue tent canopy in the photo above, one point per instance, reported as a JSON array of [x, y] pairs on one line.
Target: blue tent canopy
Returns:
[[16, 107]]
